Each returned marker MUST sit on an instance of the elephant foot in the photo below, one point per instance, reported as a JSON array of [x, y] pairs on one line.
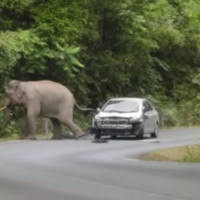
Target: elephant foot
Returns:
[[22, 138], [57, 137], [30, 138], [83, 136], [80, 136]]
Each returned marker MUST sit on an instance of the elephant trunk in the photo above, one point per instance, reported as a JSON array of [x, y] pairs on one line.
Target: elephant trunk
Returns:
[[6, 111], [6, 117]]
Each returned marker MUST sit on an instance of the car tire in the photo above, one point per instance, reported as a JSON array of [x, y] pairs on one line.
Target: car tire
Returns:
[[140, 135], [97, 135], [113, 137], [89, 131], [155, 133]]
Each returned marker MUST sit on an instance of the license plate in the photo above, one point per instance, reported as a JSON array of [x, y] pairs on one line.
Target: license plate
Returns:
[[117, 126]]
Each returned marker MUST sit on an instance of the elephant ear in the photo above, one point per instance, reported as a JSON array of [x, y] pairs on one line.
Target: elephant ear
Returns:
[[18, 91], [21, 93], [11, 87]]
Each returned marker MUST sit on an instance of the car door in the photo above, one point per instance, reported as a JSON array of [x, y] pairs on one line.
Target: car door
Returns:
[[148, 117]]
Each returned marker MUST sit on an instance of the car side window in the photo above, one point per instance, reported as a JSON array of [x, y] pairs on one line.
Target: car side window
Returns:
[[147, 106]]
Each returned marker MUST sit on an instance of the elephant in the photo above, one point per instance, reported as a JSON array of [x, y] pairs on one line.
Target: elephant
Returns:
[[42, 98]]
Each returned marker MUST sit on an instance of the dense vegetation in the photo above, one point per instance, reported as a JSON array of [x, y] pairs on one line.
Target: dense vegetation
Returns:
[[106, 48]]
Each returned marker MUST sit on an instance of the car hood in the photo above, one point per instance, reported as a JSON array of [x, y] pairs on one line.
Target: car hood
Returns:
[[120, 115]]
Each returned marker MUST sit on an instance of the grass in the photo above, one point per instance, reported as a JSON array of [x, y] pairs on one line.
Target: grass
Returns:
[[17, 137], [9, 138], [189, 153]]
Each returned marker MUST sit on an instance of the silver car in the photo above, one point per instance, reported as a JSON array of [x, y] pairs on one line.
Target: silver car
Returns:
[[126, 117]]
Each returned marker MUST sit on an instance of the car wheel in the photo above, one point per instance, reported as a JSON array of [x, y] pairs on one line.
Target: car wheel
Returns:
[[155, 133], [140, 134], [113, 137], [97, 135], [89, 131]]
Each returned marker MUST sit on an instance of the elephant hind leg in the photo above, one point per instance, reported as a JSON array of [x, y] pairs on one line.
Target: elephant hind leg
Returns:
[[57, 133], [76, 130]]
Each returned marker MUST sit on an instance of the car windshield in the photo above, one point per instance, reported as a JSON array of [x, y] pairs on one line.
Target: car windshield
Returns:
[[122, 106]]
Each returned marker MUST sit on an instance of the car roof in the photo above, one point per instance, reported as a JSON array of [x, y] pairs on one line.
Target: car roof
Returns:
[[127, 98]]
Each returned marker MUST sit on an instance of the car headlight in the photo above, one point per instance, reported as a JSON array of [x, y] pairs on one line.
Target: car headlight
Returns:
[[97, 118], [136, 119], [97, 121]]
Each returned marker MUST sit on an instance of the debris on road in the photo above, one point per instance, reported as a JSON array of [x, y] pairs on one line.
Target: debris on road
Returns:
[[101, 140], [151, 141]]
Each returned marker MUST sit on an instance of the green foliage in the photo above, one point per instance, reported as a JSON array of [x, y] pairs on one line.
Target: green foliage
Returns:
[[13, 128], [105, 48], [15, 4]]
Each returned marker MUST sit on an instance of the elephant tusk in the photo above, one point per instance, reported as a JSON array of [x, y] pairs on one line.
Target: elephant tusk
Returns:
[[3, 108]]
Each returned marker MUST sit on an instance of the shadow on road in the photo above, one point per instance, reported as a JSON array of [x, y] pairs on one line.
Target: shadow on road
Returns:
[[127, 138]]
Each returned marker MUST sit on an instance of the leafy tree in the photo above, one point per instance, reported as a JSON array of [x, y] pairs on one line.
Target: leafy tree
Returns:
[[105, 48]]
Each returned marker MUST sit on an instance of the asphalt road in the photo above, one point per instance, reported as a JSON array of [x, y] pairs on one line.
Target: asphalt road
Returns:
[[81, 170]]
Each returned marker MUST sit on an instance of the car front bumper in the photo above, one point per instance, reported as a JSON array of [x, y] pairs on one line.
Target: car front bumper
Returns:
[[115, 130]]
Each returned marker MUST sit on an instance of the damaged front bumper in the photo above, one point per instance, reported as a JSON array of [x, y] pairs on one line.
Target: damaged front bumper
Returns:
[[118, 130]]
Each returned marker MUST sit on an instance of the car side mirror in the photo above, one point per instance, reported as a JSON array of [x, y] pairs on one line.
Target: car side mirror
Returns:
[[98, 110], [144, 109], [146, 116]]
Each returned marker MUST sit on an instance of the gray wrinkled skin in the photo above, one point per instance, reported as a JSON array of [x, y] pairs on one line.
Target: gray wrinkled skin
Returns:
[[42, 98]]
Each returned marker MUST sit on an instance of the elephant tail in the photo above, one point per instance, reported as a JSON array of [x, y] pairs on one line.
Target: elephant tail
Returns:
[[83, 109]]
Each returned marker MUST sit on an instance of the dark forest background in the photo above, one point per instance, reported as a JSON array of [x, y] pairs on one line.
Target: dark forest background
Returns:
[[107, 48]]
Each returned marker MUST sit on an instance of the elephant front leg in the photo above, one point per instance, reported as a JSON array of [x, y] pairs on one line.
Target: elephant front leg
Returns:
[[25, 128], [31, 119]]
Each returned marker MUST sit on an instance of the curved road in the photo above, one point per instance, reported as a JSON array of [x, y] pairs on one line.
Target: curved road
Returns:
[[81, 170]]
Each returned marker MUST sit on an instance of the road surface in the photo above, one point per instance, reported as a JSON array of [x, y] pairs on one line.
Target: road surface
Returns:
[[81, 170]]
